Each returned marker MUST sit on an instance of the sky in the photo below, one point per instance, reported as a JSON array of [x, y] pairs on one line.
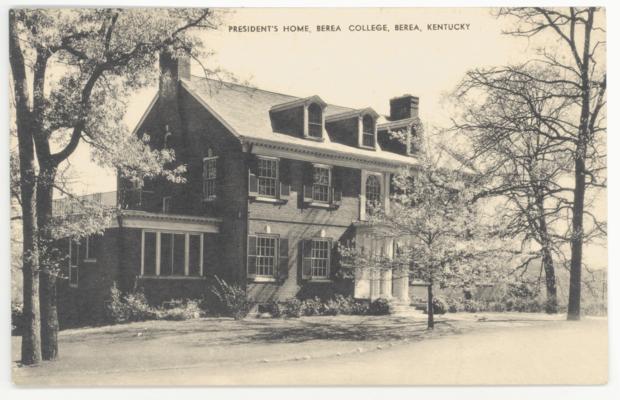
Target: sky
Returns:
[[354, 69]]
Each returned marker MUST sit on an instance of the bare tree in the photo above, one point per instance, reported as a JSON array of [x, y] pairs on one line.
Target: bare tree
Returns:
[[521, 162], [579, 62], [97, 56]]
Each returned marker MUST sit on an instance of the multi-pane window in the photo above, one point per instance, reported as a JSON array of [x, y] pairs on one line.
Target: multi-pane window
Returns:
[[265, 255], [89, 248], [315, 121], [319, 258], [209, 175], [171, 254], [373, 193], [321, 184], [267, 177], [74, 260], [368, 131]]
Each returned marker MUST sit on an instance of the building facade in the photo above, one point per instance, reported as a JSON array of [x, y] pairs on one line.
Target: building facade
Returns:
[[273, 184]]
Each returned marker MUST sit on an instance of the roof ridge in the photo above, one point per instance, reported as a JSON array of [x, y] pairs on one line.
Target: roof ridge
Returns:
[[246, 86]]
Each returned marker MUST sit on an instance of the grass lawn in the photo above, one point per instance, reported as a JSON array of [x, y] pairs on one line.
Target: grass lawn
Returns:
[[223, 342]]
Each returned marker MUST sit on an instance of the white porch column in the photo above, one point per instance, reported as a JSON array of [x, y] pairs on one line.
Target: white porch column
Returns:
[[361, 289], [400, 285], [386, 283]]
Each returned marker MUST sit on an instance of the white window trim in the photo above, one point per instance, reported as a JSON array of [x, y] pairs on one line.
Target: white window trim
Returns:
[[265, 197], [329, 189], [276, 257], [329, 260], [360, 133], [185, 254], [87, 245], [307, 123], [213, 196], [384, 181]]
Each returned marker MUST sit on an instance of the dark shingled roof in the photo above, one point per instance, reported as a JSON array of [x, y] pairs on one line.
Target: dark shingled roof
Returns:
[[245, 111]]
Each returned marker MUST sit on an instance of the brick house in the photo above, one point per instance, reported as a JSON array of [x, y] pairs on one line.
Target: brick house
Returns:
[[274, 182]]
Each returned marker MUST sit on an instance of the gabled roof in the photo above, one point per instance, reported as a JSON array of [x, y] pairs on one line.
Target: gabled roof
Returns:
[[245, 112], [352, 114], [299, 102]]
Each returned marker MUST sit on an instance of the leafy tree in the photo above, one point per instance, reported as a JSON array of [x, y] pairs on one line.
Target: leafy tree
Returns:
[[440, 232], [71, 70]]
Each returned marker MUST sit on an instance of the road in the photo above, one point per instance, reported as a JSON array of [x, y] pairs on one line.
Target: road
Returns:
[[555, 353]]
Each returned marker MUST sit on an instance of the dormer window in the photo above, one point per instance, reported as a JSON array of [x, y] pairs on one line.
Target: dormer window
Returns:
[[315, 121], [368, 131]]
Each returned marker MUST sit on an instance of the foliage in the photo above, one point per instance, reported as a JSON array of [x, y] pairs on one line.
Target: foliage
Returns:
[[380, 306], [17, 315], [439, 305], [441, 234], [179, 310], [338, 305], [312, 307], [233, 299], [128, 308], [293, 308]]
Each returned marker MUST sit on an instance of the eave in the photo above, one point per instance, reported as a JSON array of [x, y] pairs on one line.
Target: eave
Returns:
[[332, 157]]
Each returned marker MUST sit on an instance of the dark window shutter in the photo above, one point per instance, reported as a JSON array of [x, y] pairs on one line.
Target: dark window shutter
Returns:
[[334, 259], [282, 272], [308, 181], [251, 256], [337, 180], [219, 176], [306, 262], [285, 191]]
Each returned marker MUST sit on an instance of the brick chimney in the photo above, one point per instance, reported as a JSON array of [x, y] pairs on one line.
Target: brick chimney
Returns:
[[403, 107], [171, 70]]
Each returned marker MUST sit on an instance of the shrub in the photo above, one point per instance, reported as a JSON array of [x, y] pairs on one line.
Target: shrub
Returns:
[[471, 306], [439, 306], [340, 305], [454, 305], [380, 306], [137, 307], [17, 318], [128, 308], [232, 299], [178, 310], [275, 309], [360, 307], [312, 307], [497, 306], [293, 308]]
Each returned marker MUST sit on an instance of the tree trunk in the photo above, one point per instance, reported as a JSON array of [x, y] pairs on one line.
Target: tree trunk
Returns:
[[430, 311], [47, 289], [551, 306], [574, 291], [49, 315], [31, 339]]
